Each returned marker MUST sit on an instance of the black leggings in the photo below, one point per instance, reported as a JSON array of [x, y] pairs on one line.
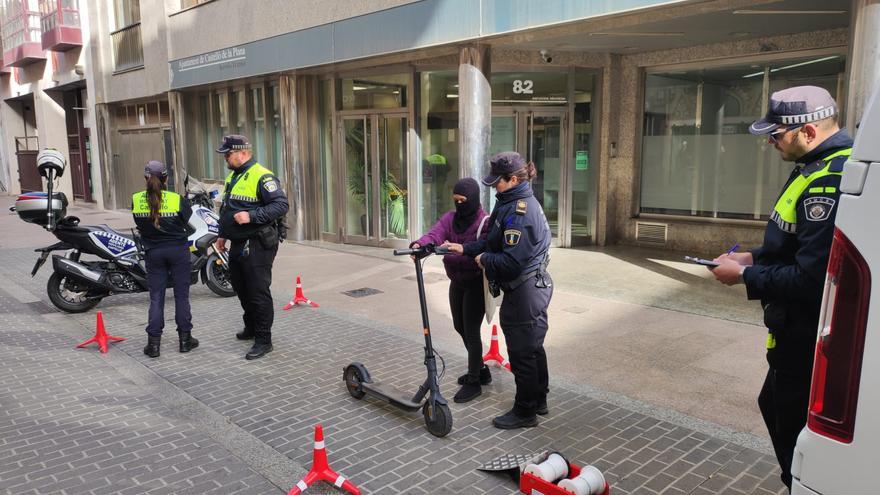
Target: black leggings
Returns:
[[468, 308]]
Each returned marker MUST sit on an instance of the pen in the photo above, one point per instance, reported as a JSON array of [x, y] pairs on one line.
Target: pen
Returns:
[[733, 249]]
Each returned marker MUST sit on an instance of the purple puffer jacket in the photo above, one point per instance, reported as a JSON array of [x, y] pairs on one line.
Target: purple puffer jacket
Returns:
[[461, 270]]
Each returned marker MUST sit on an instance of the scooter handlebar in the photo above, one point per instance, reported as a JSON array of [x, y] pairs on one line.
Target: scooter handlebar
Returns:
[[422, 250]]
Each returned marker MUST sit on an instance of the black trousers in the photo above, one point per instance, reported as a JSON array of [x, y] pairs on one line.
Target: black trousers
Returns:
[[164, 263], [250, 271], [523, 317], [468, 307], [784, 401]]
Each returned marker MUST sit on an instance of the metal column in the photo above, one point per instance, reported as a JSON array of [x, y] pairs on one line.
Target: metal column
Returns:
[[474, 114]]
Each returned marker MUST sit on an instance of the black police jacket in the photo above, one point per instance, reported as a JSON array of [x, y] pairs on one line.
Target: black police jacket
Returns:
[[272, 206], [518, 237], [789, 268]]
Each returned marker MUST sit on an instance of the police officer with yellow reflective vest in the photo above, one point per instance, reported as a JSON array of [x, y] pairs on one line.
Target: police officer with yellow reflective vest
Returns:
[[514, 256], [787, 273], [162, 220], [251, 218]]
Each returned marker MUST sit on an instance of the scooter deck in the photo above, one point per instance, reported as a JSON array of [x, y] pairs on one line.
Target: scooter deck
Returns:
[[390, 394]]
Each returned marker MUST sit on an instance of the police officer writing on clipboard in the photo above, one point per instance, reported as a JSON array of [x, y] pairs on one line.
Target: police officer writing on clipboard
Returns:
[[514, 256], [253, 202], [787, 273]]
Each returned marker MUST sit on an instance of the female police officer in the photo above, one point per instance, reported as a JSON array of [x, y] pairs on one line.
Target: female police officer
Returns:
[[162, 218], [514, 257]]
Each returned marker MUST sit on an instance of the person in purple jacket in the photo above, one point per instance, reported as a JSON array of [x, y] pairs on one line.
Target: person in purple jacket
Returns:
[[466, 281]]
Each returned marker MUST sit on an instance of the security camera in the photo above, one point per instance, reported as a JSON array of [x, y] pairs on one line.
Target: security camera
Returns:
[[546, 57]]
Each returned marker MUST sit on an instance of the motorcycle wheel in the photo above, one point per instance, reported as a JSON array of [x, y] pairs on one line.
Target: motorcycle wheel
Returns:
[[216, 277], [68, 296]]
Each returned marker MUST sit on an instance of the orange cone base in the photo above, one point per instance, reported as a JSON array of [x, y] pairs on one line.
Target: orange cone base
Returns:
[[299, 297], [321, 470], [494, 357], [101, 336]]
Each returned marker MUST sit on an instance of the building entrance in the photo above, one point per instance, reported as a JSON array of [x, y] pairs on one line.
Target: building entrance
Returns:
[[538, 135], [374, 156]]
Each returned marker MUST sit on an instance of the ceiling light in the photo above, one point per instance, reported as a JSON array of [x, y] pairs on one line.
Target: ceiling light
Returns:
[[787, 12], [639, 34], [358, 88], [452, 95]]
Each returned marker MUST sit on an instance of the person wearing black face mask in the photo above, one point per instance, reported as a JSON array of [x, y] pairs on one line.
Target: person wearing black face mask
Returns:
[[466, 280]]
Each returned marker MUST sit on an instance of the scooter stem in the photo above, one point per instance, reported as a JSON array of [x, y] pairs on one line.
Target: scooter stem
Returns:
[[429, 349]]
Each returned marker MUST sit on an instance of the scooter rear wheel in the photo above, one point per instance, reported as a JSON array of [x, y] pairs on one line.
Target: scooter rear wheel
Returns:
[[438, 418], [68, 295], [353, 380]]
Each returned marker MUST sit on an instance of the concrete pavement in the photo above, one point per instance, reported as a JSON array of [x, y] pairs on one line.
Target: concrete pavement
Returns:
[[647, 384]]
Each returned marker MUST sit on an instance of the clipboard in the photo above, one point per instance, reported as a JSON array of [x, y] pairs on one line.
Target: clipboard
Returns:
[[701, 261]]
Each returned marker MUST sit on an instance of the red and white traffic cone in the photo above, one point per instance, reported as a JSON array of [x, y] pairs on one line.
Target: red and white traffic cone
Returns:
[[321, 470], [101, 336], [298, 297], [494, 356]]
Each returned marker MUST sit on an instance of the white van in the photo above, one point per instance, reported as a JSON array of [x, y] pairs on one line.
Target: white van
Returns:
[[835, 453]]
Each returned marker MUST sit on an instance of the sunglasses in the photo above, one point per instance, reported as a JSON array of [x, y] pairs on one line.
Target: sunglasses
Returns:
[[774, 137]]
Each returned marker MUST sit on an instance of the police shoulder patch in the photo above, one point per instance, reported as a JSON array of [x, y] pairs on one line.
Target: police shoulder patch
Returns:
[[512, 236], [818, 208], [521, 207], [270, 186]]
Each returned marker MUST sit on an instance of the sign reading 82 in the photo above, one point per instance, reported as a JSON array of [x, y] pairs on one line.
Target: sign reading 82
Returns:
[[523, 86]]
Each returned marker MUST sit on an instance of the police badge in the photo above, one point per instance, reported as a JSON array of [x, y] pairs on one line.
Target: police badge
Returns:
[[818, 208], [511, 237]]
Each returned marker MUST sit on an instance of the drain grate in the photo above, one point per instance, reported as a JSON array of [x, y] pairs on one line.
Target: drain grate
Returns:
[[362, 292]]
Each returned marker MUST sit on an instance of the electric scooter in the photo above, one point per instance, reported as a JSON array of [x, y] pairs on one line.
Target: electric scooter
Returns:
[[438, 417]]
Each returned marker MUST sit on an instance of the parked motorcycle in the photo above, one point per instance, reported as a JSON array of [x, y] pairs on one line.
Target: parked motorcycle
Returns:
[[77, 285]]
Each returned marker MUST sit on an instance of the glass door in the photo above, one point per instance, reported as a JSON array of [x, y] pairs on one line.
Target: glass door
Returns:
[[357, 153], [392, 173], [544, 147], [376, 180], [537, 135]]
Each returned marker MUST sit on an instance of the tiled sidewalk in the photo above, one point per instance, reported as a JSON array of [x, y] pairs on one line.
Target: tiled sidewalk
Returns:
[[72, 422]]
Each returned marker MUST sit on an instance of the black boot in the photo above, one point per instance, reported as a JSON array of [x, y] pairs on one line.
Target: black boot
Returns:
[[468, 392], [245, 334], [258, 351], [485, 376], [152, 347], [187, 342], [511, 420]]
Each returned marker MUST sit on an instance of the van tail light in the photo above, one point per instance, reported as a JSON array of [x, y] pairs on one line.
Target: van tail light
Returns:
[[839, 348]]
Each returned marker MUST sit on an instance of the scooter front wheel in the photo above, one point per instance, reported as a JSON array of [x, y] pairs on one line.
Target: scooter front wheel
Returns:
[[438, 418], [216, 277]]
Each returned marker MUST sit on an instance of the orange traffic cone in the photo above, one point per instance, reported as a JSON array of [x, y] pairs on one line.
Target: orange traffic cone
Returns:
[[494, 356], [101, 336], [298, 297], [321, 470]]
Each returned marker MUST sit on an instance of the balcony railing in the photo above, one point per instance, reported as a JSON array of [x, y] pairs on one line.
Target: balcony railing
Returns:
[[128, 50], [21, 34], [59, 23]]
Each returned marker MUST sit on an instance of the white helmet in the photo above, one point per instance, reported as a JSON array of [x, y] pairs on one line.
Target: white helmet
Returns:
[[51, 159]]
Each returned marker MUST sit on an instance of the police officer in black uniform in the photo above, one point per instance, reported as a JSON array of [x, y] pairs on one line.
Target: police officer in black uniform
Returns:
[[787, 273], [162, 220], [514, 256], [253, 205]]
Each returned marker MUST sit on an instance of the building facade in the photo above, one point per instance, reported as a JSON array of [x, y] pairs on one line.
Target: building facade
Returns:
[[635, 113]]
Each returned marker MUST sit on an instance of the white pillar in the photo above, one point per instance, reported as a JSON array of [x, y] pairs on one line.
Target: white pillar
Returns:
[[474, 115]]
